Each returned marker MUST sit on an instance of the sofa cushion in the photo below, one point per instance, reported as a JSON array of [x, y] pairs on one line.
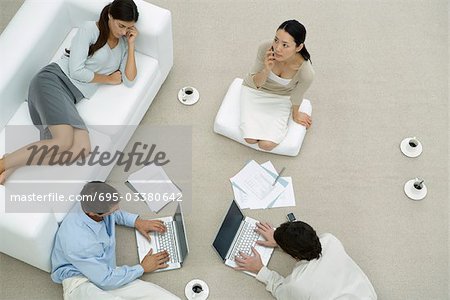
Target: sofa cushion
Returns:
[[112, 106], [19, 237], [227, 123]]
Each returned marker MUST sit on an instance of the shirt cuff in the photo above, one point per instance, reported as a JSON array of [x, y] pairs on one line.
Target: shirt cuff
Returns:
[[130, 219], [133, 219], [139, 270], [263, 275]]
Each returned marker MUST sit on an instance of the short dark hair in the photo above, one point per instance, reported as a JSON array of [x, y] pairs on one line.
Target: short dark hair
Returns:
[[299, 240], [98, 197]]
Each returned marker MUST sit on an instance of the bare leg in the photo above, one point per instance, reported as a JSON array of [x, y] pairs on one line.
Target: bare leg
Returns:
[[267, 145], [81, 147], [69, 142], [251, 141], [81, 144], [62, 138], [2, 165], [5, 174], [2, 170]]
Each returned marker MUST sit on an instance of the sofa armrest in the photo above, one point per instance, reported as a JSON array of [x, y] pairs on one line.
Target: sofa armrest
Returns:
[[155, 34], [154, 25], [26, 45]]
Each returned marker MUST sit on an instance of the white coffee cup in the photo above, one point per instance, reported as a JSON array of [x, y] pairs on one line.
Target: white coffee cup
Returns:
[[188, 93], [196, 289], [413, 143], [418, 184]]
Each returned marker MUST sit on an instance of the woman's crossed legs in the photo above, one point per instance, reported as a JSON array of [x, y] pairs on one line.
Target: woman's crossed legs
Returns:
[[69, 145]]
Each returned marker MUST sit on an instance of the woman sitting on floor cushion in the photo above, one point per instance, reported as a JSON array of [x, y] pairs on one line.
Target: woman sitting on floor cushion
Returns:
[[280, 77], [101, 53]]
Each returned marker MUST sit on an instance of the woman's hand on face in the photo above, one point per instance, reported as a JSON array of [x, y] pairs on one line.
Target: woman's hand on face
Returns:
[[115, 78], [303, 119], [132, 33], [269, 60]]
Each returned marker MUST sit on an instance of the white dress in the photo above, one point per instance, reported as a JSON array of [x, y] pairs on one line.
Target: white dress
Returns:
[[265, 116]]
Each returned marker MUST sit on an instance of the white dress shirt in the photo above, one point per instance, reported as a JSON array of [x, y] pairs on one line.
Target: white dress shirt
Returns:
[[333, 276]]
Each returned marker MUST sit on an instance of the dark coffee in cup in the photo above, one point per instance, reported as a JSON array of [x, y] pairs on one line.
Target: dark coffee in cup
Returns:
[[413, 143], [418, 184], [197, 288], [188, 91]]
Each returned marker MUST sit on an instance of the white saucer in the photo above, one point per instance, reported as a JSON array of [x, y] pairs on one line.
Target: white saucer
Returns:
[[188, 99], [408, 150], [412, 192], [201, 296]]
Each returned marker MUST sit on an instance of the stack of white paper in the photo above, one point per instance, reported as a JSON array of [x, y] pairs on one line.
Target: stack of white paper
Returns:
[[253, 187], [153, 185]]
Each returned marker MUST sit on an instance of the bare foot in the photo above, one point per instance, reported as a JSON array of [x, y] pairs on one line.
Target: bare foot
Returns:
[[2, 165], [2, 178], [5, 175]]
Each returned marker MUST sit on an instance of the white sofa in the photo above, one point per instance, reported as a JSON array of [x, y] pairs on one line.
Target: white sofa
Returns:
[[37, 35], [227, 123]]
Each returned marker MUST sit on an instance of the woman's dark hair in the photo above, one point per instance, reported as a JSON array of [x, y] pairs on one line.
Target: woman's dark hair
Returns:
[[98, 197], [298, 32], [299, 240], [124, 10]]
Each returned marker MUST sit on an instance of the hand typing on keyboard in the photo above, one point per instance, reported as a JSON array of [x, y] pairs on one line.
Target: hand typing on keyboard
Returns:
[[152, 262], [266, 230], [166, 242], [247, 239], [146, 226], [251, 263]]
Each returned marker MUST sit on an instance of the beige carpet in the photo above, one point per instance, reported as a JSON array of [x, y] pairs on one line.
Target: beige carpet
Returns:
[[381, 75]]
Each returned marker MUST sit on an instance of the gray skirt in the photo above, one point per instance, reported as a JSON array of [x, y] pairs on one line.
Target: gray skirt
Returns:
[[51, 100]]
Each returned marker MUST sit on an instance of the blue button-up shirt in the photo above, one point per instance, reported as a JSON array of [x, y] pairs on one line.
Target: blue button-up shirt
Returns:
[[87, 248]]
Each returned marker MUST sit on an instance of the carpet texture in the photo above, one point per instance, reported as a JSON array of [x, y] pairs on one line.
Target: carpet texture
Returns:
[[381, 75]]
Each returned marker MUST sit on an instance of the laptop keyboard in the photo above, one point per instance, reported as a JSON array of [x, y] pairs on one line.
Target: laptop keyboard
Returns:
[[246, 240], [166, 241]]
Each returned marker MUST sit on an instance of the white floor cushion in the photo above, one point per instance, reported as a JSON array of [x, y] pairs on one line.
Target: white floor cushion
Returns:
[[228, 120]]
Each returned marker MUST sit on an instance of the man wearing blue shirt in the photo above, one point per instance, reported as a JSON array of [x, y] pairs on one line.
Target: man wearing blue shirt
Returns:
[[84, 256]]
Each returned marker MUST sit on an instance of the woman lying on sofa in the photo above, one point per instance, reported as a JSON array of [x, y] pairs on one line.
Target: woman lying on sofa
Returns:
[[281, 75], [101, 53]]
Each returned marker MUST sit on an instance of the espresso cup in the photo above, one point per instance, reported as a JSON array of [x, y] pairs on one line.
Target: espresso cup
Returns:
[[413, 143], [418, 184], [197, 289], [188, 92]]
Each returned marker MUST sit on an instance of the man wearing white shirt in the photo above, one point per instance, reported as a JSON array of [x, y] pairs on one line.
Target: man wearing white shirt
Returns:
[[323, 271]]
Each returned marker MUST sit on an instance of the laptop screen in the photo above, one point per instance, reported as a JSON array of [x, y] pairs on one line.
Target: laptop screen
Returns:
[[228, 230], [179, 223]]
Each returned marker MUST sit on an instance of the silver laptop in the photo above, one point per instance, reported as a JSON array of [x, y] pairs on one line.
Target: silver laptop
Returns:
[[174, 241], [237, 233]]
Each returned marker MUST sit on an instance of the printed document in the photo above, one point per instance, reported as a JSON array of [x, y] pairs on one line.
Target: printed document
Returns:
[[152, 184], [256, 187]]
